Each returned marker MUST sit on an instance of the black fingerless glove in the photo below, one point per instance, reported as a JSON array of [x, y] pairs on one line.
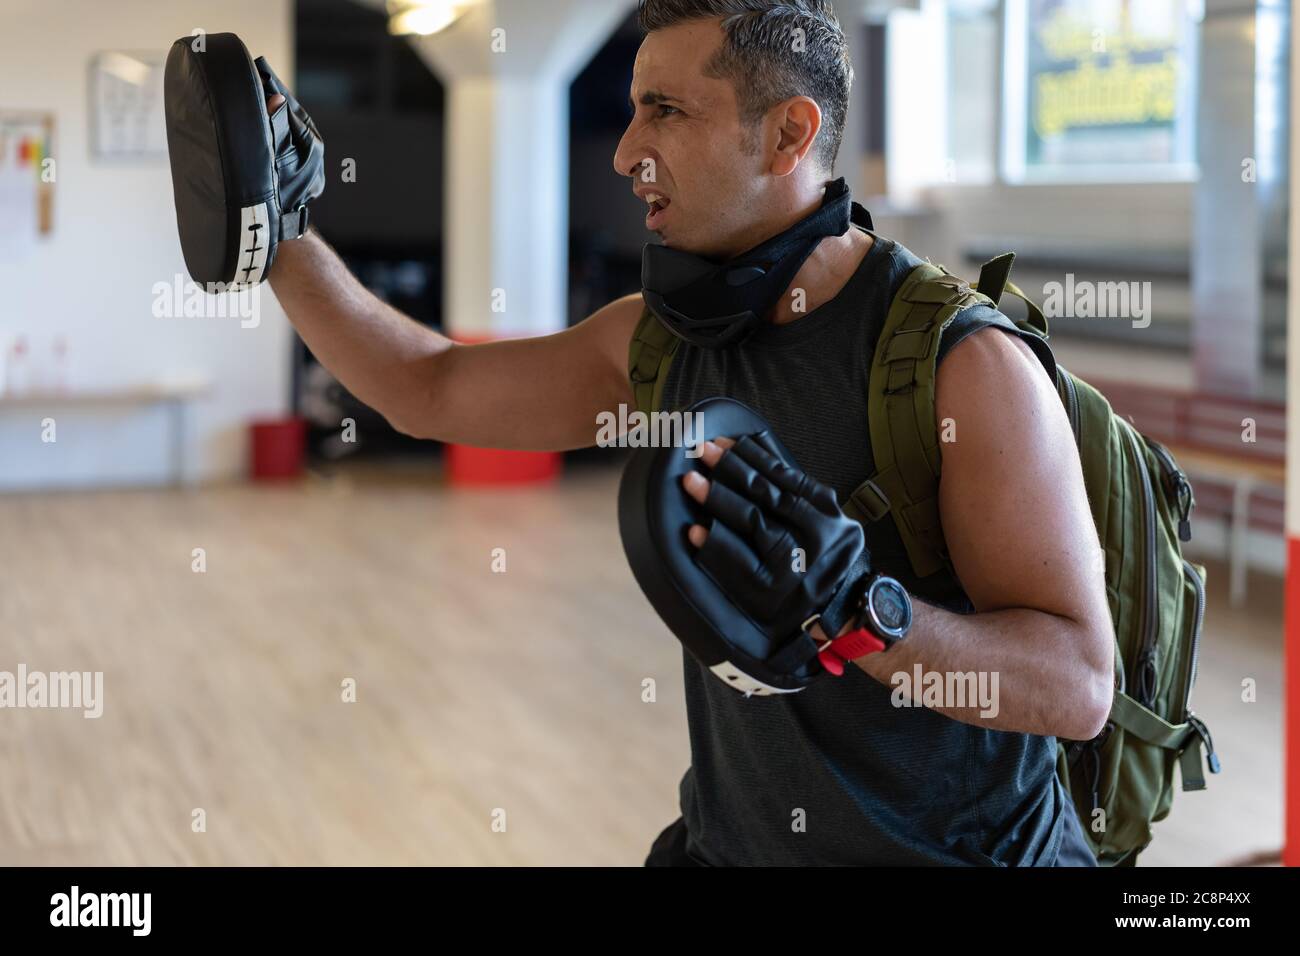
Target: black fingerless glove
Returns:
[[778, 546], [299, 149]]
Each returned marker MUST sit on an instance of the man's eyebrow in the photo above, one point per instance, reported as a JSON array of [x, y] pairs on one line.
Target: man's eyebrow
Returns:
[[654, 98]]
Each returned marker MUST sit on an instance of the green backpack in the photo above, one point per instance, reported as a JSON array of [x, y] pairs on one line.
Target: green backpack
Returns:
[[1122, 780]]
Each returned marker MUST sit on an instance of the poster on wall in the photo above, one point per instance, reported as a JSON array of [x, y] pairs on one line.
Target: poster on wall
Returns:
[[27, 176], [126, 106], [1100, 88]]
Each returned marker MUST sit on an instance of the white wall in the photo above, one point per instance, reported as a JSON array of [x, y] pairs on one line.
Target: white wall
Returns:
[[115, 237]]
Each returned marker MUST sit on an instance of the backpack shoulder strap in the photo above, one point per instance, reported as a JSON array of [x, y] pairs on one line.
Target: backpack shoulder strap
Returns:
[[995, 281], [649, 355], [900, 411]]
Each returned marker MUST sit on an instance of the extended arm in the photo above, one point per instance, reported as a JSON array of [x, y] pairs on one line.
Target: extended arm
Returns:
[[539, 394]]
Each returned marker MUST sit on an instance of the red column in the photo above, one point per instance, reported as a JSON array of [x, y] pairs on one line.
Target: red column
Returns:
[[1291, 685], [1291, 649]]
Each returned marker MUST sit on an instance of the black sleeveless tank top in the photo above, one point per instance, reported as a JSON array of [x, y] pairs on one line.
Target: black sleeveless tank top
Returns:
[[876, 784]]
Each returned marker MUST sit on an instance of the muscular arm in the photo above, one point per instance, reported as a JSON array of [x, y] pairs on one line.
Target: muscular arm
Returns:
[[1022, 541], [540, 394]]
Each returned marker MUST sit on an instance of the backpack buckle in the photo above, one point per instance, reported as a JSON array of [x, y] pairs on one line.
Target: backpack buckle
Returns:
[[871, 502]]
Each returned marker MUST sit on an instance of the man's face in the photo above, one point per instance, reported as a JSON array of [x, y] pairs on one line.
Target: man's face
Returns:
[[687, 146]]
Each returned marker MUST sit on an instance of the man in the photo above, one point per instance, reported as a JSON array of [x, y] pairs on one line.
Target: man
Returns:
[[739, 107]]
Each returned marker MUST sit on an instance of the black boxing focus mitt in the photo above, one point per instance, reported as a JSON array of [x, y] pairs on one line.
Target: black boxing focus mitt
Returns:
[[242, 178], [779, 554]]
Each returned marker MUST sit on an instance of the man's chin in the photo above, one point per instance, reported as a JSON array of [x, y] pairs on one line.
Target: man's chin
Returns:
[[674, 239], [686, 246], [666, 239]]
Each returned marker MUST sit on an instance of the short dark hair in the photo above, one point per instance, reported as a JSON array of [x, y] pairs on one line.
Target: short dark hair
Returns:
[[760, 57]]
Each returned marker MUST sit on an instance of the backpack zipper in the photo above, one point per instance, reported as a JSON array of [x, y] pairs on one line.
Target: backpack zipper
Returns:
[[1177, 487], [1198, 725], [1144, 671], [1199, 586], [1211, 758]]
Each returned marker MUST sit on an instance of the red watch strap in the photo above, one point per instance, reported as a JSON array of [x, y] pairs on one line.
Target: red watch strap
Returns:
[[847, 648]]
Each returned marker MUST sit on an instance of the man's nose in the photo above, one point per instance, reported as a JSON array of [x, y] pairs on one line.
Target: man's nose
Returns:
[[631, 152]]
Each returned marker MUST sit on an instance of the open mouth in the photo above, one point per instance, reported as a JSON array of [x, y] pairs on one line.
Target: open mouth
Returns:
[[658, 208]]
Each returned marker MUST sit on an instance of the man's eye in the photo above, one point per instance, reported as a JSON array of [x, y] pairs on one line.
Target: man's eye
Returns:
[[668, 110]]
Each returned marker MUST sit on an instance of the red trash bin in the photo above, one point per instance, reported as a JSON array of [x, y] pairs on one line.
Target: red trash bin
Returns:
[[279, 448]]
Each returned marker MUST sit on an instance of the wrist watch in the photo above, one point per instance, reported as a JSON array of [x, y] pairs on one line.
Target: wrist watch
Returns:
[[881, 615], [886, 610]]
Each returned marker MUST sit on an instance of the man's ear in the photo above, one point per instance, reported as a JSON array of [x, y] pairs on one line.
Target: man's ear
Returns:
[[798, 121]]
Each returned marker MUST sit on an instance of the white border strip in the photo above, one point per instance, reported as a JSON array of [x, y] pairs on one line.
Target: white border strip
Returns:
[[254, 240]]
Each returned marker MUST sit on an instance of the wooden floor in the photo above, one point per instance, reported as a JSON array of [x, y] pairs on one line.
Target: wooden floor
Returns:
[[477, 692]]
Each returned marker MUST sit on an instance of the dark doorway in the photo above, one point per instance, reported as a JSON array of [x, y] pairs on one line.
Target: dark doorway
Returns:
[[379, 106]]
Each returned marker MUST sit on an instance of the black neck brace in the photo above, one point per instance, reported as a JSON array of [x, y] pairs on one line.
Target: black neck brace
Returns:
[[714, 305]]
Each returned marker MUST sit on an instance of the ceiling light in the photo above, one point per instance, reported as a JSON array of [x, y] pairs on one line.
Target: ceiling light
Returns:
[[424, 17]]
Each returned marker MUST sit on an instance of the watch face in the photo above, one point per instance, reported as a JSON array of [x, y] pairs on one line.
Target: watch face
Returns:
[[890, 608]]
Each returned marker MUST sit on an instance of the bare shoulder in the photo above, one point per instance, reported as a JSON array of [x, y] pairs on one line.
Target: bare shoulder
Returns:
[[994, 367], [621, 314], [1012, 501], [998, 413], [610, 328]]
